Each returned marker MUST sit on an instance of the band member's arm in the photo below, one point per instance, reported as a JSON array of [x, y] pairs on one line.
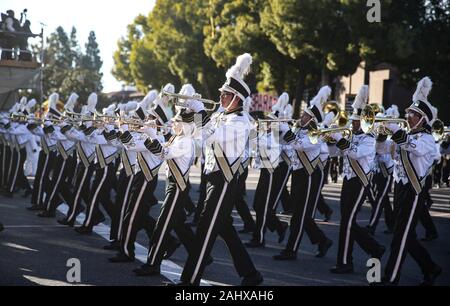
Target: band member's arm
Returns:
[[365, 147], [416, 144]]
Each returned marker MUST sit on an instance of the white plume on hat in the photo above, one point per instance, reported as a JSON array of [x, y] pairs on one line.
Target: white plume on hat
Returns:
[[70, 104], [423, 89], [30, 105], [287, 113], [241, 68], [328, 120], [23, 103], [361, 98], [393, 111], [52, 100], [109, 111], [92, 102], [322, 96], [84, 110], [169, 88], [131, 106], [283, 100], [187, 90], [148, 100]]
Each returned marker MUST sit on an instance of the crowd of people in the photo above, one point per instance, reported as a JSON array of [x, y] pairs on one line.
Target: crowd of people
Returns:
[[85, 156]]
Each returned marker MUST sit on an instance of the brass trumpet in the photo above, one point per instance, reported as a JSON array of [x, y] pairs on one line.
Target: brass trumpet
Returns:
[[439, 131], [369, 118], [210, 105], [135, 126], [267, 123], [315, 133]]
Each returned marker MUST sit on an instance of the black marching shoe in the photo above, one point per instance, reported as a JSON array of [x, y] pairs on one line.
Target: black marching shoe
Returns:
[[254, 279], [286, 255], [66, 222], [282, 232], [255, 244], [328, 215], [323, 248], [46, 214], [147, 270], [430, 278], [83, 230], [379, 252], [120, 257], [174, 245], [342, 269], [34, 208], [1, 227], [112, 246]]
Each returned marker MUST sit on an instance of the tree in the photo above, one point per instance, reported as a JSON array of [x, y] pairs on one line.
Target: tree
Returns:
[[66, 69]]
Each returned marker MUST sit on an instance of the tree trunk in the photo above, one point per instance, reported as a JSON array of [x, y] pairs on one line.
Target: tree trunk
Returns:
[[297, 103]]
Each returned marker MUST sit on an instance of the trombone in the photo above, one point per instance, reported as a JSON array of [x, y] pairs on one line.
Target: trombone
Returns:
[[369, 120], [210, 105]]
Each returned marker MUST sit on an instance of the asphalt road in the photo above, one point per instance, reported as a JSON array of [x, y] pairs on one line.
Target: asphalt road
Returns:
[[35, 251]]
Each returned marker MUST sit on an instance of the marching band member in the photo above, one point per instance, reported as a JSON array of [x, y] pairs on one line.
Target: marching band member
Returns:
[[64, 165], [225, 142], [415, 154], [47, 158], [142, 197], [305, 173], [382, 178], [179, 154], [85, 149], [126, 175], [20, 136], [274, 173], [358, 155], [104, 172]]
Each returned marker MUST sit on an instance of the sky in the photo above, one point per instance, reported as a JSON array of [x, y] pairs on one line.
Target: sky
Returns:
[[108, 18]]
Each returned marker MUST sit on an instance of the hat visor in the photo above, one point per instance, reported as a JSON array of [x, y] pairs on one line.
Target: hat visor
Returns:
[[355, 117]]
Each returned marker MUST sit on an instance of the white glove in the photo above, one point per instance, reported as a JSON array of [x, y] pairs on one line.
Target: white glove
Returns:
[[150, 131], [195, 105], [124, 127], [284, 127], [336, 136], [393, 127]]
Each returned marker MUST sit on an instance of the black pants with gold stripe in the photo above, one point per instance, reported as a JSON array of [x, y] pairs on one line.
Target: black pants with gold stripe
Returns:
[[216, 221], [59, 190], [241, 204], [120, 206], [305, 189], [382, 203], [137, 215], [17, 176], [44, 167], [405, 239], [100, 193], [172, 216], [268, 193], [353, 195], [81, 190]]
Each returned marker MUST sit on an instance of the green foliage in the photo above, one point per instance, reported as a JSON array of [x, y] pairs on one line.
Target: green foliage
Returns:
[[67, 69], [297, 45]]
